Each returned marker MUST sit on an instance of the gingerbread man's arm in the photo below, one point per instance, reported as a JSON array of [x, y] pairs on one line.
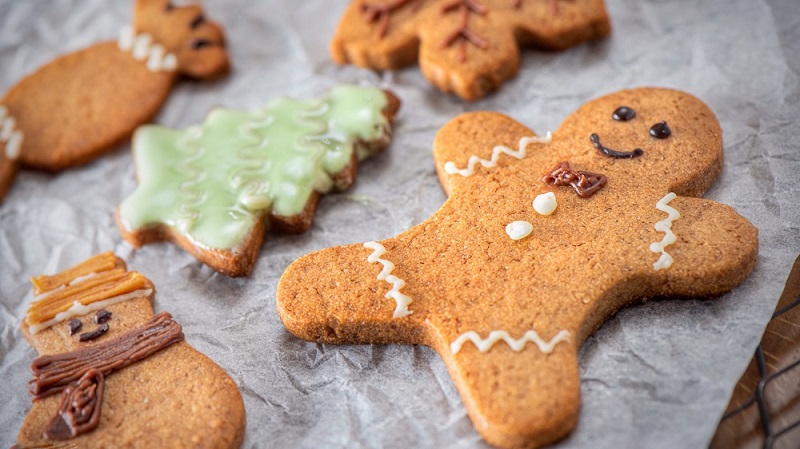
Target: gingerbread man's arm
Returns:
[[476, 143], [350, 294], [715, 249], [389, 42]]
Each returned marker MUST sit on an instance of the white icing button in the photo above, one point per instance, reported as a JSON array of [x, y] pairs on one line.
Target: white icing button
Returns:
[[545, 203], [519, 229], [3, 112]]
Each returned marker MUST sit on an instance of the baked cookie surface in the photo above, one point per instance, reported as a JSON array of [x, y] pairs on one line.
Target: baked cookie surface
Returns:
[[468, 47], [154, 389], [506, 291], [83, 104], [216, 188]]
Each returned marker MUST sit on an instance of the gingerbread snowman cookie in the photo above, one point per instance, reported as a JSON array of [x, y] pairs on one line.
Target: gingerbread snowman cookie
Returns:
[[468, 47], [83, 104], [111, 374], [540, 240]]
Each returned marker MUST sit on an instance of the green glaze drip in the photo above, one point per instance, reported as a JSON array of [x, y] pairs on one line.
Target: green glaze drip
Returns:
[[212, 182]]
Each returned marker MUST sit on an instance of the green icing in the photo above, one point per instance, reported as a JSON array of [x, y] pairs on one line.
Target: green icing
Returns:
[[211, 182]]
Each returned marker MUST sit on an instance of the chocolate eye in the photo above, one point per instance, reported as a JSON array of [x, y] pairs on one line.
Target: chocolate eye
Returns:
[[660, 130], [197, 44], [623, 114], [169, 7], [197, 21]]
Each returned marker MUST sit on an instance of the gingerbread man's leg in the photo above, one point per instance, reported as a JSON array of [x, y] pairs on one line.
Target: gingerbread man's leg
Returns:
[[507, 380]]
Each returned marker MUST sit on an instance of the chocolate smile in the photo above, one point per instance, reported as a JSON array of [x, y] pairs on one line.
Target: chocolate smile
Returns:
[[614, 153]]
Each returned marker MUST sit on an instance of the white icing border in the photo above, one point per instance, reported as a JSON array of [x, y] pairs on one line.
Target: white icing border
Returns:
[[142, 48], [665, 226], [451, 169], [484, 345], [79, 309], [8, 135], [401, 310]]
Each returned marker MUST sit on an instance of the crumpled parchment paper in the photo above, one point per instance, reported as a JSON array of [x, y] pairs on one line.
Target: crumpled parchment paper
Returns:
[[656, 375]]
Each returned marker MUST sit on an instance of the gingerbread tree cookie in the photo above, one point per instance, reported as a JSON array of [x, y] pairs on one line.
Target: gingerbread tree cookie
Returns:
[[85, 103], [540, 240], [111, 374], [216, 188], [468, 47]]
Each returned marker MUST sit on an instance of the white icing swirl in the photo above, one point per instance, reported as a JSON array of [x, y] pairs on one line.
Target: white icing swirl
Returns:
[[451, 169], [665, 226], [143, 48], [402, 300], [9, 136], [484, 345]]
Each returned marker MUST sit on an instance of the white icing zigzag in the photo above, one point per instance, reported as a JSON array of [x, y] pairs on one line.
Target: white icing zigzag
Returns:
[[402, 300], [142, 47], [8, 135], [665, 226], [484, 345], [451, 169]]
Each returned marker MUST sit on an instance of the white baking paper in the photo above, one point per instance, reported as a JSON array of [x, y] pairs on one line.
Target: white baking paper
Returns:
[[656, 375]]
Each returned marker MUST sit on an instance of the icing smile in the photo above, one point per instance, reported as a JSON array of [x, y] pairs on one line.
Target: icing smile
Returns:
[[614, 153]]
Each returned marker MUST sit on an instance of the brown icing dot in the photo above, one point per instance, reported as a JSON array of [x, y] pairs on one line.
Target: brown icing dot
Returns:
[[102, 316], [74, 326], [660, 130], [623, 114]]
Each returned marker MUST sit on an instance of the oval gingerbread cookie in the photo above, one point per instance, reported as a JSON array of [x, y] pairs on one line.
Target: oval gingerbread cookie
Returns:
[[112, 374], [540, 240], [83, 104]]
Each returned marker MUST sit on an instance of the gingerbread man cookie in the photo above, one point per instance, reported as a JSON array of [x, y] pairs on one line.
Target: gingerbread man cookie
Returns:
[[110, 374], [468, 47], [214, 189], [85, 103], [541, 240]]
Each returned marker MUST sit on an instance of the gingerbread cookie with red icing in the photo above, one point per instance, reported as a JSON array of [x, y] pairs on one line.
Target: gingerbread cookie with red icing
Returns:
[[111, 374], [83, 104], [468, 47], [541, 239]]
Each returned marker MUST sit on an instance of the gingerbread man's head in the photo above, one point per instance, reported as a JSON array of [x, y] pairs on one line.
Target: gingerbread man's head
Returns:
[[197, 43], [506, 290]]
